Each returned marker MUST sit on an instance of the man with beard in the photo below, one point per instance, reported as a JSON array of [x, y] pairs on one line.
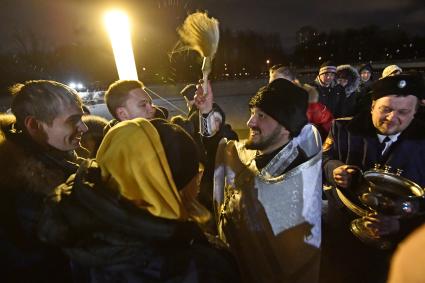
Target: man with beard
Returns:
[[388, 135], [37, 146], [267, 190]]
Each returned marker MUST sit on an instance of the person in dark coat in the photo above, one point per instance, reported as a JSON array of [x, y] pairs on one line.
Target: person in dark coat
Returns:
[[364, 100], [210, 126], [391, 136], [331, 94], [348, 77], [133, 216], [37, 146]]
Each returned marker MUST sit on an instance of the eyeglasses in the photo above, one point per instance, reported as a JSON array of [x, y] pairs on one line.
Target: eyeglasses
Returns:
[[387, 110]]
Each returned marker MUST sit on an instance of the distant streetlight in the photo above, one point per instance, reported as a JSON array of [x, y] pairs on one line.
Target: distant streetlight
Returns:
[[118, 28], [268, 61], [76, 85]]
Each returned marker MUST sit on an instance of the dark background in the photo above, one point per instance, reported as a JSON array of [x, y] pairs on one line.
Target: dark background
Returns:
[[65, 40]]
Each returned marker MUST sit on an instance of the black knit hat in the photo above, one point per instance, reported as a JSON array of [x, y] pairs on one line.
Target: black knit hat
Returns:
[[400, 85], [179, 147], [285, 102], [366, 66]]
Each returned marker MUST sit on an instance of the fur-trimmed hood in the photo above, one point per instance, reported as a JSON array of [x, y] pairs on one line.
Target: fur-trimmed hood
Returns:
[[352, 75], [25, 166]]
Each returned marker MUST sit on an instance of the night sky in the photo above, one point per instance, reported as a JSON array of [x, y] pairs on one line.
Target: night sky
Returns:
[[72, 21]]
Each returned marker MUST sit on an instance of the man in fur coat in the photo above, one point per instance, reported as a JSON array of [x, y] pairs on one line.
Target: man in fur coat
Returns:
[[37, 154]]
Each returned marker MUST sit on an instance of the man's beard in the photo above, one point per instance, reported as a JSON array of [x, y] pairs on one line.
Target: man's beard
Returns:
[[266, 142]]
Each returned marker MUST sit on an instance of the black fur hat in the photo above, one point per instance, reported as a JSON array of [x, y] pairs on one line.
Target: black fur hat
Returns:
[[401, 85], [285, 102]]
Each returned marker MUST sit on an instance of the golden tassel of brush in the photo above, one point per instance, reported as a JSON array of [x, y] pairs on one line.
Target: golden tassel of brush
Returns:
[[201, 33]]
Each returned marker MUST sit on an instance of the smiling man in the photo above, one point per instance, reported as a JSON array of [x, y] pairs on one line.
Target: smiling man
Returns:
[[127, 99], [37, 154], [331, 94], [388, 135], [267, 189]]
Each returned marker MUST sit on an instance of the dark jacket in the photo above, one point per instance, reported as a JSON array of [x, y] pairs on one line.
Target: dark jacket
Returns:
[[364, 97], [209, 147], [29, 173], [348, 107], [354, 141], [119, 242], [332, 97]]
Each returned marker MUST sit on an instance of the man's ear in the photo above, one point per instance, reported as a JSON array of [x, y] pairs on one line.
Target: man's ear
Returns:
[[32, 125], [122, 114]]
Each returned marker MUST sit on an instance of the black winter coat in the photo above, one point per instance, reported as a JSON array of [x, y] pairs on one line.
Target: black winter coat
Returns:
[[332, 97], [28, 175], [118, 242], [354, 141]]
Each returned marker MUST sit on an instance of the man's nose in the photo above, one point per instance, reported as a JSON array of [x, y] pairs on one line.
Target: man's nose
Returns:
[[82, 128], [392, 115], [151, 108], [252, 121]]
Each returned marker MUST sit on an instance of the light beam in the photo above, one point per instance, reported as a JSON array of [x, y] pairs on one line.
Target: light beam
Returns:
[[118, 27]]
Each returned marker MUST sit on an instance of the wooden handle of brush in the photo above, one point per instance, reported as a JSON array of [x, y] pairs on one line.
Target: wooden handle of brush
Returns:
[[206, 70]]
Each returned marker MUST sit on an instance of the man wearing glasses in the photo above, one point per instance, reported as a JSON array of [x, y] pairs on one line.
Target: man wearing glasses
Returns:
[[389, 135]]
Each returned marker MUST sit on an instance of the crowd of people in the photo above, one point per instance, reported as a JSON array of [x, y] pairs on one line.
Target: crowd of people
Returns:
[[151, 198]]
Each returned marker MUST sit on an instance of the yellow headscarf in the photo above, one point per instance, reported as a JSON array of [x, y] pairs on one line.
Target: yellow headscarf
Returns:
[[132, 160]]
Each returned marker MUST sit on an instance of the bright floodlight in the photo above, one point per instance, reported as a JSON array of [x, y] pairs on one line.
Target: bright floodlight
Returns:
[[118, 28], [72, 85]]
